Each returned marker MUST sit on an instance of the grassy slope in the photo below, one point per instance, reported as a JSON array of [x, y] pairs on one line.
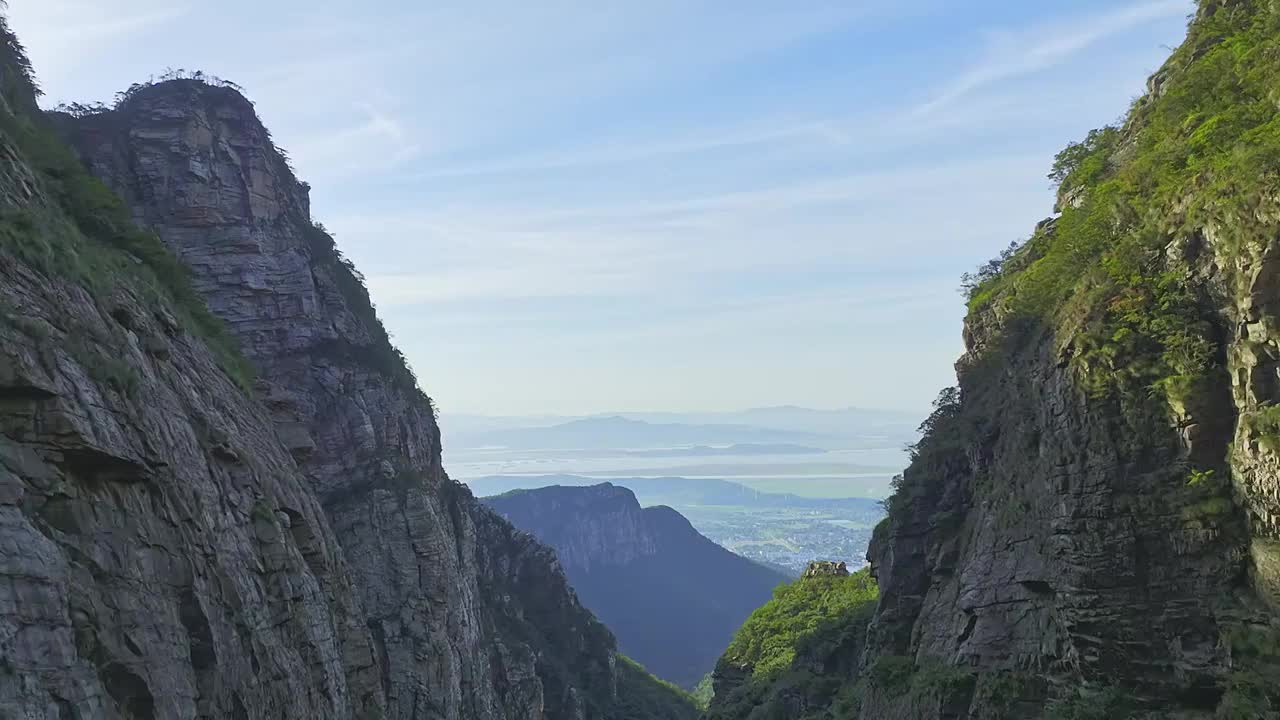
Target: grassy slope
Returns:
[[1202, 151], [785, 646], [641, 696]]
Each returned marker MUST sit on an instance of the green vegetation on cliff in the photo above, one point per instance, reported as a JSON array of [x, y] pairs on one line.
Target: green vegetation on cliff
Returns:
[[1096, 404], [641, 696], [797, 656], [1200, 152]]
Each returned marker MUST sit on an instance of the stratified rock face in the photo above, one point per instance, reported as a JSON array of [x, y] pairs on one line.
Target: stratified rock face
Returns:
[[160, 553], [468, 619], [1056, 542]]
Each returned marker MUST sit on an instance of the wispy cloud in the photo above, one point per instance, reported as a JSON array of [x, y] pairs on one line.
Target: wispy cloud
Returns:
[[691, 193], [1015, 54], [490, 252]]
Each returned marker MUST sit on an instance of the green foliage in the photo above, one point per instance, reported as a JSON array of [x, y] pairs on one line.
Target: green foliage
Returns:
[[1091, 703], [935, 678], [798, 613], [941, 434], [1208, 497], [704, 691], [17, 82], [105, 370], [891, 673], [946, 408], [641, 696], [896, 675], [1251, 690], [1204, 152], [1199, 477], [1084, 162], [1265, 424], [788, 650], [1209, 509], [971, 282], [999, 692]]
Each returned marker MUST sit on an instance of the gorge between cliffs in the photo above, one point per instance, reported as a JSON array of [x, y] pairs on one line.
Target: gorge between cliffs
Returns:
[[222, 492]]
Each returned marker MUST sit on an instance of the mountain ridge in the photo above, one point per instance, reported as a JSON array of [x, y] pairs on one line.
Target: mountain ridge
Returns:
[[623, 433]]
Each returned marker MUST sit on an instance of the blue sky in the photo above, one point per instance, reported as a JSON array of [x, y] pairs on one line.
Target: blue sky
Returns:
[[570, 207]]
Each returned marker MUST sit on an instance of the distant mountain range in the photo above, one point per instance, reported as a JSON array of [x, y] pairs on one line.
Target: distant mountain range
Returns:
[[787, 425], [674, 491], [790, 417], [745, 449], [624, 433], [672, 597]]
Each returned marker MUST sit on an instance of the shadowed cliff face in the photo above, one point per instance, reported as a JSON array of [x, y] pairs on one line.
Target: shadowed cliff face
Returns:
[[1052, 538], [672, 597], [463, 616]]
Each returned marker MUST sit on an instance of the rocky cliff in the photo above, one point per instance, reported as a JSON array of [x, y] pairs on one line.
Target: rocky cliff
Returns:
[[186, 534], [673, 597], [1089, 519], [1088, 526], [437, 575]]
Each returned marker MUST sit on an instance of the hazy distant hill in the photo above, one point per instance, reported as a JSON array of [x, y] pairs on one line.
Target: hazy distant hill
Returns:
[[744, 449], [773, 426], [844, 421], [623, 433], [673, 598]]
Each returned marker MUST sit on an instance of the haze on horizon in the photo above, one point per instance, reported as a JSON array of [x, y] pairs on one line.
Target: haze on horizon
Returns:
[[580, 207]]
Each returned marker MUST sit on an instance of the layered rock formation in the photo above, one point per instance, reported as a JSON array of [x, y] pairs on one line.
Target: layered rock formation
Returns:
[[182, 540], [436, 574], [673, 597]]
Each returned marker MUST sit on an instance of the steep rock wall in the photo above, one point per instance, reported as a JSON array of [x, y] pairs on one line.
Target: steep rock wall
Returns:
[[160, 553], [469, 619]]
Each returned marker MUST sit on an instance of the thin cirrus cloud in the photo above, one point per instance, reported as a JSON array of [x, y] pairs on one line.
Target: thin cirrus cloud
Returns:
[[693, 194], [1011, 55]]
